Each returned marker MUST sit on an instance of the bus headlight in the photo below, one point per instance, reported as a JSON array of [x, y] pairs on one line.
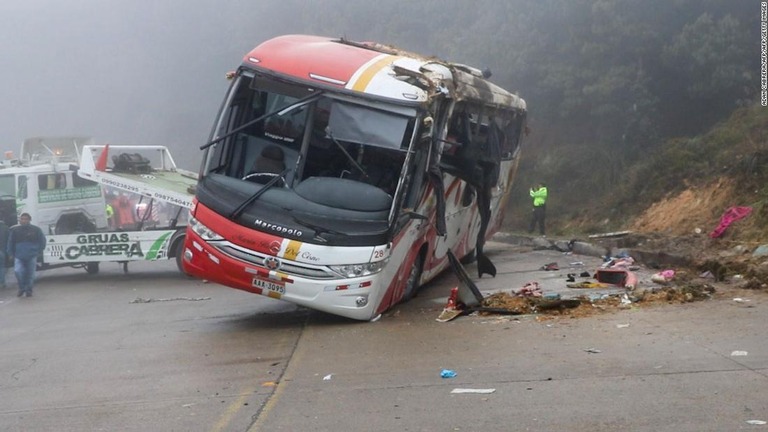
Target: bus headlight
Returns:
[[203, 231], [357, 270]]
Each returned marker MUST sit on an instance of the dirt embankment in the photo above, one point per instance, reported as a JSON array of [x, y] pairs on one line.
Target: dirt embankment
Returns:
[[696, 210], [679, 225]]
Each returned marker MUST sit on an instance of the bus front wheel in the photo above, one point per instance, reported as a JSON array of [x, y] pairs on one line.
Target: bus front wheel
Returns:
[[412, 285]]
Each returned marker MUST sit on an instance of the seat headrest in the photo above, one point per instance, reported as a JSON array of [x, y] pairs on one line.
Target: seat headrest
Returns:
[[273, 152]]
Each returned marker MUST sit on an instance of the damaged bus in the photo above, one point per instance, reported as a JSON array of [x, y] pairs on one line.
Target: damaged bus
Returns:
[[340, 175]]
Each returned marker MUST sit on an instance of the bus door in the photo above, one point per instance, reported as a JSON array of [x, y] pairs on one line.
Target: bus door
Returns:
[[473, 154], [506, 127]]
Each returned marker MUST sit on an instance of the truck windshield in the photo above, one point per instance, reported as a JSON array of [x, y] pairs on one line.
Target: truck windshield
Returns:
[[338, 158]]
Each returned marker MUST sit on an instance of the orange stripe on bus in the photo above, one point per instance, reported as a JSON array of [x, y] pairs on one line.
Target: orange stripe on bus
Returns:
[[367, 76]]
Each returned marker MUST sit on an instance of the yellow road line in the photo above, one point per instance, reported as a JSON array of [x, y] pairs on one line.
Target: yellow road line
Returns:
[[295, 359], [233, 409]]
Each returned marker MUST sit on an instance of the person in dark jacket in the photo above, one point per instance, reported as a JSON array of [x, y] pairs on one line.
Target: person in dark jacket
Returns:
[[25, 243], [3, 247]]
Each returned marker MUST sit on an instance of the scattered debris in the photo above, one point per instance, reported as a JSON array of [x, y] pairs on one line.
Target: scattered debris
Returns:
[[531, 289], [610, 234], [588, 285], [623, 262], [739, 354], [328, 377], [550, 267], [592, 350], [476, 391], [622, 325], [681, 294], [447, 373], [730, 216], [152, 300], [451, 309], [617, 276], [663, 277], [753, 284], [756, 422], [625, 301], [516, 305]]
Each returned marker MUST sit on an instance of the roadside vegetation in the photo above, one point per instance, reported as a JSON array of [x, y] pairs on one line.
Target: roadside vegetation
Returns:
[[631, 104], [680, 186]]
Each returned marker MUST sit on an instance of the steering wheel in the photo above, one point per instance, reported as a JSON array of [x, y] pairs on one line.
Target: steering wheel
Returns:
[[264, 177]]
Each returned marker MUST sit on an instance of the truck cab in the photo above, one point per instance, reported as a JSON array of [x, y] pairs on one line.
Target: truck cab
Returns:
[[43, 182]]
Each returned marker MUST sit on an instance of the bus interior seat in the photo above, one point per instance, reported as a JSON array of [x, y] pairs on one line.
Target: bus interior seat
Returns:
[[270, 160]]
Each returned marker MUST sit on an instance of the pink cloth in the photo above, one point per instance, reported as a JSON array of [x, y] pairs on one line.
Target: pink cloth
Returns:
[[730, 216]]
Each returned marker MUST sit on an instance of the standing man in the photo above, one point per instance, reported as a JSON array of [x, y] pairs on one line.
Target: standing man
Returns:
[[539, 195], [25, 243], [3, 247]]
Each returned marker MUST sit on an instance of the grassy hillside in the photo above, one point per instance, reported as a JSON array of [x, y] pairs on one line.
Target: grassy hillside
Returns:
[[672, 187]]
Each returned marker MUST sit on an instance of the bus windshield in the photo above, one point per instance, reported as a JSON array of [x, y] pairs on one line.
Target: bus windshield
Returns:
[[323, 169]]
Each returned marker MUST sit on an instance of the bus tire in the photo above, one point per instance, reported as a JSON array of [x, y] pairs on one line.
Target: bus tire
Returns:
[[412, 285], [92, 267]]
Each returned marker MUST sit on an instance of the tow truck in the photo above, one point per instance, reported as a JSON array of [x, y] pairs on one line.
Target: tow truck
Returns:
[[93, 208]]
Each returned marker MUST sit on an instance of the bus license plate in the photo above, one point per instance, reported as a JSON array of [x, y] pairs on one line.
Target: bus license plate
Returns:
[[269, 285]]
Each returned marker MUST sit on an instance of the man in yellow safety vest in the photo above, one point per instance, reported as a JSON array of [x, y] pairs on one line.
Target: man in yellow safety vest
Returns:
[[539, 195]]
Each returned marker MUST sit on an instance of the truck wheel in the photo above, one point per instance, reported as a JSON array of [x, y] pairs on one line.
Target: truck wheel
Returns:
[[92, 267]]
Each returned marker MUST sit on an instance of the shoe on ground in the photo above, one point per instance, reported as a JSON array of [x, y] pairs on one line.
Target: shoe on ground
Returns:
[[29, 294]]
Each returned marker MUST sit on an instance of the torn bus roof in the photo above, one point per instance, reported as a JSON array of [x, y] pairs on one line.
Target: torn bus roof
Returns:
[[374, 69]]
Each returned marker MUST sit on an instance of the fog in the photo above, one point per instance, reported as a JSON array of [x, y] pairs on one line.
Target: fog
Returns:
[[124, 72], [144, 72]]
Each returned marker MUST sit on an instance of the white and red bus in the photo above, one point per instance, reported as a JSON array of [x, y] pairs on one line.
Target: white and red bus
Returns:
[[339, 174]]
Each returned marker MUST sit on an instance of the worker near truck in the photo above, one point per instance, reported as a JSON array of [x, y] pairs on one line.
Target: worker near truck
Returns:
[[25, 243]]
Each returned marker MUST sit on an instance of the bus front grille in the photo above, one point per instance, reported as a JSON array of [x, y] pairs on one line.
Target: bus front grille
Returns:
[[286, 266]]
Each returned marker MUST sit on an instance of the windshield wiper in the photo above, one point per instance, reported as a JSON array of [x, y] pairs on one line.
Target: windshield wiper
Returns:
[[241, 208], [343, 150], [280, 111], [318, 229]]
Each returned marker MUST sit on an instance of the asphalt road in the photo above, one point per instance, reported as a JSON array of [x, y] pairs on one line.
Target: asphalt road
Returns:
[[155, 351]]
